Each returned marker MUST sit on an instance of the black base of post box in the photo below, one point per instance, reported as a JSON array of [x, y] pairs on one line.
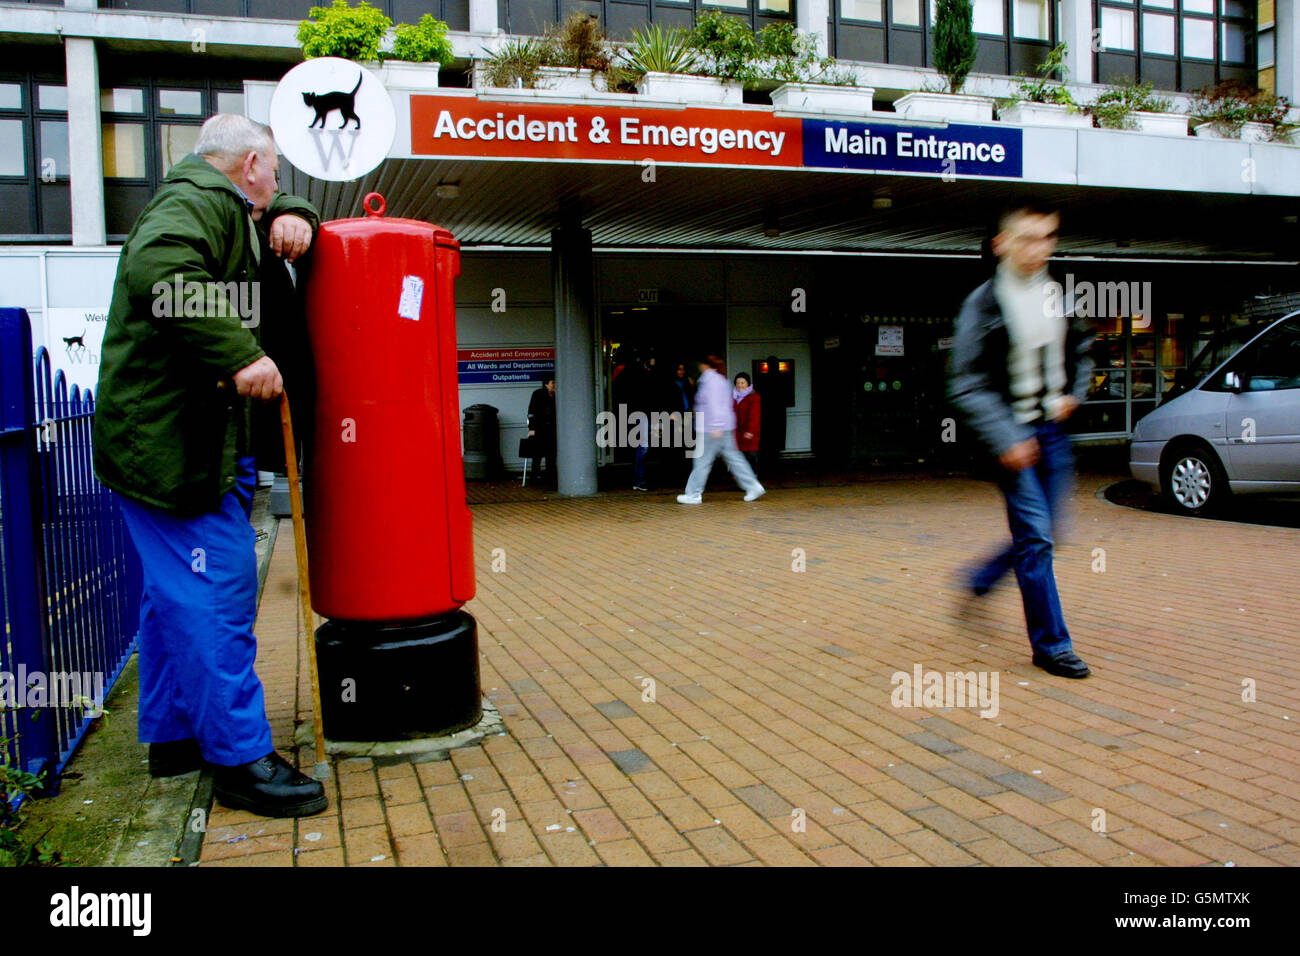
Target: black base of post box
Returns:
[[398, 681]]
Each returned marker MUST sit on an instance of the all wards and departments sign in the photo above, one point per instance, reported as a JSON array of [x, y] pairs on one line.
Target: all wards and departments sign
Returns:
[[463, 126], [496, 366]]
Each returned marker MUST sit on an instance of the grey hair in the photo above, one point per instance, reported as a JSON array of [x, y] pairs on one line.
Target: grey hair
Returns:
[[229, 137]]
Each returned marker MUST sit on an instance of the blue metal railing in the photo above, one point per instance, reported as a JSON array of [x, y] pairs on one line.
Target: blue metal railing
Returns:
[[69, 576]]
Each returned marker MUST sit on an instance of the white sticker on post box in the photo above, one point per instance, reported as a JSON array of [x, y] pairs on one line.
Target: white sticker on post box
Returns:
[[408, 307]]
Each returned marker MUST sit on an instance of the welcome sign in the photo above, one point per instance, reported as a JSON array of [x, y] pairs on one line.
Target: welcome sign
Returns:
[[462, 126]]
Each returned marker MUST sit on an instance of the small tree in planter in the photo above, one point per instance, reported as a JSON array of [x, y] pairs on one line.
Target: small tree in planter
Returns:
[[1048, 87], [353, 33], [423, 42], [1235, 110], [954, 42]]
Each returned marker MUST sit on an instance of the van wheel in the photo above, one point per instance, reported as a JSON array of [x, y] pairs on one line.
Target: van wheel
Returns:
[[1193, 480]]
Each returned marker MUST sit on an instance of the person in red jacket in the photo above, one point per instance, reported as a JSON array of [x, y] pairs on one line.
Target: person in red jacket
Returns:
[[749, 415]]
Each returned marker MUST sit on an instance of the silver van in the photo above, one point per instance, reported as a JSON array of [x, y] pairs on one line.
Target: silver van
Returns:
[[1232, 426]]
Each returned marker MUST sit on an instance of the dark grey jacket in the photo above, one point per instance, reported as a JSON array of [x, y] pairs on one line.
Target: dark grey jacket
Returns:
[[979, 383]]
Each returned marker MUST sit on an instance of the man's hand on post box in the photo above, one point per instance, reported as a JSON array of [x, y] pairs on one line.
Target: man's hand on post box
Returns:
[[259, 380], [290, 236]]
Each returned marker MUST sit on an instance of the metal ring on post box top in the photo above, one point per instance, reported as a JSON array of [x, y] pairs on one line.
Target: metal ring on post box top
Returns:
[[374, 210]]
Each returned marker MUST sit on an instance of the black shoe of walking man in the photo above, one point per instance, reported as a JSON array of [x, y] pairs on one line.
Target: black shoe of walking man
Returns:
[[269, 787]]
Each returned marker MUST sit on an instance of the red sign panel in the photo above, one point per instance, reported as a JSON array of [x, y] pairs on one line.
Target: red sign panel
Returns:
[[465, 126]]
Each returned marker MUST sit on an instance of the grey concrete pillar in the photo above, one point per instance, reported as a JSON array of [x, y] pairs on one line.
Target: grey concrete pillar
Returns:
[[812, 16], [85, 154], [1286, 50], [483, 16], [575, 367], [1076, 32]]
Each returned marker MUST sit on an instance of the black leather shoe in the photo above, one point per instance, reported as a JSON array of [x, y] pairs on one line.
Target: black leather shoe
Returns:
[[269, 787], [174, 757], [1064, 664]]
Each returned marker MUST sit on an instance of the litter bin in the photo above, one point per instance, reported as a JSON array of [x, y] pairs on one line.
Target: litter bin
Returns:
[[482, 443]]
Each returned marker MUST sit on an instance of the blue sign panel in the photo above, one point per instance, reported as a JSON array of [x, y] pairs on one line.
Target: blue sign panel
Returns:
[[493, 373], [955, 150]]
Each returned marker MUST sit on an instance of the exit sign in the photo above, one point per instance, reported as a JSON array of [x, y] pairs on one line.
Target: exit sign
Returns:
[[647, 296]]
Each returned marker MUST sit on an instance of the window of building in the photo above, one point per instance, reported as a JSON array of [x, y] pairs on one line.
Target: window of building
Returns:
[[1157, 34], [1031, 20], [870, 10], [1116, 29], [906, 13], [1179, 44], [34, 175], [148, 127]]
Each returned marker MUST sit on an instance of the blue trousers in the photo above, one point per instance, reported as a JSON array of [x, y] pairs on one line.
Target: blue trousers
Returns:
[[1035, 500], [197, 647]]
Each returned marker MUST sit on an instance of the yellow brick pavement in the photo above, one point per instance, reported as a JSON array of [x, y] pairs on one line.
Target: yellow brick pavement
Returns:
[[676, 692]]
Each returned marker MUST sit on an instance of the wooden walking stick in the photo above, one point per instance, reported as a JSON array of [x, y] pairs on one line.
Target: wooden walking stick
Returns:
[[304, 587]]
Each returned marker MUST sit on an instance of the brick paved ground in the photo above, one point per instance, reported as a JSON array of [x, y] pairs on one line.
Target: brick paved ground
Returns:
[[772, 694]]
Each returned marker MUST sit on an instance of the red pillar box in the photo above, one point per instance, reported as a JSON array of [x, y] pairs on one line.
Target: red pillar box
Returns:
[[388, 531]]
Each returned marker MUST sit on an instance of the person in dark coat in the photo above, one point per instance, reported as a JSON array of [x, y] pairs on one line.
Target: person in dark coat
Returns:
[[541, 428], [749, 417], [1019, 369], [172, 439]]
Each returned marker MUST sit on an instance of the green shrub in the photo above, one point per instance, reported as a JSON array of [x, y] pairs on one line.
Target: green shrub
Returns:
[[516, 62], [353, 33], [15, 849], [424, 42], [657, 50], [729, 49], [954, 42], [1229, 106], [1114, 107]]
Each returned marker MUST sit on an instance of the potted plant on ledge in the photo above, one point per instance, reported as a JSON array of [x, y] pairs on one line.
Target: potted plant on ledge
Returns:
[[360, 33], [1134, 106], [666, 63], [1233, 110], [1044, 101], [954, 55]]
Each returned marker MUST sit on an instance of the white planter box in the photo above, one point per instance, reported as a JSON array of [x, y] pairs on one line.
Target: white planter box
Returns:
[[686, 88], [1250, 132], [819, 97], [1161, 124], [1257, 132], [950, 107], [399, 74], [1043, 114], [567, 81]]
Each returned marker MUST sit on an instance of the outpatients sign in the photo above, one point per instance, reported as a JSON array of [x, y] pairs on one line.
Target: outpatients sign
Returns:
[[465, 126]]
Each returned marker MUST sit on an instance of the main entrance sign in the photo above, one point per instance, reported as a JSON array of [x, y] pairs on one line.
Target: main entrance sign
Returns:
[[464, 126]]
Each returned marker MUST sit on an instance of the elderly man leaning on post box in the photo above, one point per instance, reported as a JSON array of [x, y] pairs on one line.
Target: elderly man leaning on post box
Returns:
[[181, 359]]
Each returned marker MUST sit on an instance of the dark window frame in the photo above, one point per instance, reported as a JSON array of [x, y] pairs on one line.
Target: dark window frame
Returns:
[[1178, 60], [31, 116]]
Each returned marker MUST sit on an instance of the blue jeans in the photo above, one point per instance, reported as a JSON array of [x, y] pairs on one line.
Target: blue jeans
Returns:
[[1035, 500], [709, 449], [197, 647]]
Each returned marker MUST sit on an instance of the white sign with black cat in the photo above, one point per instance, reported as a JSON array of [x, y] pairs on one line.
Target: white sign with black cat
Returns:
[[332, 119], [73, 337]]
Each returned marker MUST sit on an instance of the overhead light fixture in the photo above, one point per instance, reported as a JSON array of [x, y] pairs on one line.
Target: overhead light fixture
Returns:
[[881, 199], [447, 190]]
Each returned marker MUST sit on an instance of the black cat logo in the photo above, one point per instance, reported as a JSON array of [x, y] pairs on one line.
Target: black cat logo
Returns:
[[326, 103], [76, 341]]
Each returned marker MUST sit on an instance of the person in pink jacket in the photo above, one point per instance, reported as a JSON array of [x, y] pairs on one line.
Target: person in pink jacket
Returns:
[[715, 434]]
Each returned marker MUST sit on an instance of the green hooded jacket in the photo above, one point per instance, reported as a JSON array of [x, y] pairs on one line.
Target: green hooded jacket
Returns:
[[166, 432]]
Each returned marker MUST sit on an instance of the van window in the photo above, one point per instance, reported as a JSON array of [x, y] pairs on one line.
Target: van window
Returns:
[[1274, 362]]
